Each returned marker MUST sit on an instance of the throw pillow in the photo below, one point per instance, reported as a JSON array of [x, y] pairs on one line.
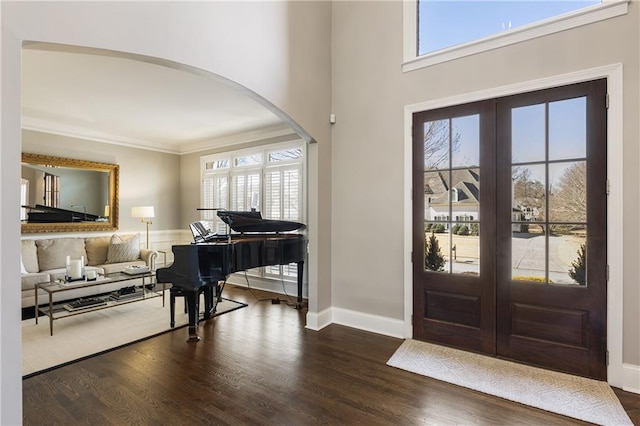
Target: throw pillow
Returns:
[[97, 248], [122, 249], [23, 270], [52, 253], [29, 254]]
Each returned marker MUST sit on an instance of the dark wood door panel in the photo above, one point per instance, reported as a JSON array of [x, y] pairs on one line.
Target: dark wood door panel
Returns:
[[453, 308], [456, 335], [564, 326], [549, 355]]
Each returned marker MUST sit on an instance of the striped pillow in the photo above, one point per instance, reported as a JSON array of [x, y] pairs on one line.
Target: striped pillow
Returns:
[[123, 249]]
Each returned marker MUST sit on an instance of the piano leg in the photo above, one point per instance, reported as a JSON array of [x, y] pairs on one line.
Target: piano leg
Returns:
[[193, 310], [300, 305], [172, 308], [210, 300]]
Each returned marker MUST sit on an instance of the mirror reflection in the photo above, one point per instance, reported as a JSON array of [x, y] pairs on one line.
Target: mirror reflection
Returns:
[[61, 195]]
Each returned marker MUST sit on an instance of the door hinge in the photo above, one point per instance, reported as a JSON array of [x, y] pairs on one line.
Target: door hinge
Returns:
[[607, 272], [411, 257], [606, 353], [607, 187], [411, 319], [606, 101]]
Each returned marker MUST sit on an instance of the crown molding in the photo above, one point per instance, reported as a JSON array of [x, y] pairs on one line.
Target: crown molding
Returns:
[[59, 129]]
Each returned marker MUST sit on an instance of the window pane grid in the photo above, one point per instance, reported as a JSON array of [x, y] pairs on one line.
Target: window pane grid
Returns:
[[452, 195], [549, 190]]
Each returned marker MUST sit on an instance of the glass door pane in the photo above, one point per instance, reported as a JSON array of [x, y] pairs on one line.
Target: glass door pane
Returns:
[[549, 192], [452, 195]]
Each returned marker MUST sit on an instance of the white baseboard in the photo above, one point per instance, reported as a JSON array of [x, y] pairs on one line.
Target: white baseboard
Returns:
[[360, 320], [631, 378], [318, 321], [368, 322]]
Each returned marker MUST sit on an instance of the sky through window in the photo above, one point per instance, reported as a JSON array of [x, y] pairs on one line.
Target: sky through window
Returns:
[[447, 23]]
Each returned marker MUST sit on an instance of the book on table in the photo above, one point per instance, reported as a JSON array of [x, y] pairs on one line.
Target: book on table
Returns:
[[84, 303]]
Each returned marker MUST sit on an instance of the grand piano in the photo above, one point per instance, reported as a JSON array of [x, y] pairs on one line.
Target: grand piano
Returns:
[[201, 266], [46, 214]]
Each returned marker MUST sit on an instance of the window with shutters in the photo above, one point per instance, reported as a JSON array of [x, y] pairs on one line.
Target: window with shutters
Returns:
[[268, 179]]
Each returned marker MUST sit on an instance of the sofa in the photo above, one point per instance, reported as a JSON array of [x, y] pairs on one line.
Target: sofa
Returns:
[[44, 260]]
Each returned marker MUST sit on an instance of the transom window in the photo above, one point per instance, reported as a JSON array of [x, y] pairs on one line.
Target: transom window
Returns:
[[437, 31], [445, 23]]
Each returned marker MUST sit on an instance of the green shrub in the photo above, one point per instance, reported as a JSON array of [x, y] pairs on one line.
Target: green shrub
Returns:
[[455, 228], [433, 258], [438, 228], [579, 271], [463, 230], [475, 229]]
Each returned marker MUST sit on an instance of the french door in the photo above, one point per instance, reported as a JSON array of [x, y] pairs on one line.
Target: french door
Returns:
[[516, 266]]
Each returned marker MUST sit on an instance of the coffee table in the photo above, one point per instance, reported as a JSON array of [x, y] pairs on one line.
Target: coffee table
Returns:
[[57, 310]]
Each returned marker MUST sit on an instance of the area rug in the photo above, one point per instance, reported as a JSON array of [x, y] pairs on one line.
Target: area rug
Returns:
[[92, 333], [584, 399]]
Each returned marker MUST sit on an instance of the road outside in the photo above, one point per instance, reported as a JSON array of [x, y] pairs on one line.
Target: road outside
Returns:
[[527, 253]]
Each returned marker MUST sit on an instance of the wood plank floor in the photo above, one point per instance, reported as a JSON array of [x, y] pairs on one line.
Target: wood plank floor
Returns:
[[260, 366]]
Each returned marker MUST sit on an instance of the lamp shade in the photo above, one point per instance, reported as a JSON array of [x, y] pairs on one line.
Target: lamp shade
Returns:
[[143, 212]]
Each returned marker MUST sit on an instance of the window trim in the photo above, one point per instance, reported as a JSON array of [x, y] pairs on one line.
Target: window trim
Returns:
[[265, 165], [411, 61]]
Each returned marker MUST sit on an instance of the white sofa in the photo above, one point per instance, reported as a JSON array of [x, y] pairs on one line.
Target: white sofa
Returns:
[[44, 260]]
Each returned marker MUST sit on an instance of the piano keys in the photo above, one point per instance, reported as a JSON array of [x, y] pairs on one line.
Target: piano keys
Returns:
[[200, 266]]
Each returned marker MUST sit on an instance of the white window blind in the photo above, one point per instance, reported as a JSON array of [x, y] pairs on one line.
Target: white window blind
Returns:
[[215, 195], [282, 201], [246, 191]]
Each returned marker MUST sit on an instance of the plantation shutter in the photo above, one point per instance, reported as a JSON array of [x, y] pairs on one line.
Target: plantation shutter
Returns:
[[273, 194], [215, 195], [245, 192], [291, 194], [283, 201]]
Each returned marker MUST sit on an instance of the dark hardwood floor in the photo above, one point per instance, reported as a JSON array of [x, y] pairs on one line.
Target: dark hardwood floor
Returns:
[[260, 366]]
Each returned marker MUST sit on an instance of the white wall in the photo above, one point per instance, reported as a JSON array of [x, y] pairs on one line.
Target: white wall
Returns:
[[279, 50]]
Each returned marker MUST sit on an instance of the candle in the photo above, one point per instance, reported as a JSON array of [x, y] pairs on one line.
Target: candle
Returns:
[[75, 269]]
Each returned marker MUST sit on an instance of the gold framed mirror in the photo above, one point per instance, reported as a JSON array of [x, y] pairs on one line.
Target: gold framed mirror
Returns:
[[67, 195]]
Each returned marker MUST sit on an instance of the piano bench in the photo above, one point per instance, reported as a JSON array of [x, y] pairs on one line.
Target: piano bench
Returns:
[[210, 306]]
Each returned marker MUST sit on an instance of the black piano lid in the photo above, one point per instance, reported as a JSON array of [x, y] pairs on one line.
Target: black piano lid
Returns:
[[252, 221]]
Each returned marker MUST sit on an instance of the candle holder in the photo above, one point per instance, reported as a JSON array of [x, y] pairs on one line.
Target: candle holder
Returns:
[[75, 269]]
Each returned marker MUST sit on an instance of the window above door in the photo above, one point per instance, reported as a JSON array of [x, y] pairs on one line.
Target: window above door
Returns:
[[432, 28]]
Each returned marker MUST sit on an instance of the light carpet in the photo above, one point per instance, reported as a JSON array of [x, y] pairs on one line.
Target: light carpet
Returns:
[[91, 333], [584, 399]]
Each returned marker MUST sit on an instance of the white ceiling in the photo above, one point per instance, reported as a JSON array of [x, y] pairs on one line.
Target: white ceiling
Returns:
[[126, 101]]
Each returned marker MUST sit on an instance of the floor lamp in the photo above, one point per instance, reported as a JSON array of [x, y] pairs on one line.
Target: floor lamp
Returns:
[[144, 213]]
